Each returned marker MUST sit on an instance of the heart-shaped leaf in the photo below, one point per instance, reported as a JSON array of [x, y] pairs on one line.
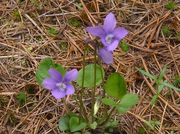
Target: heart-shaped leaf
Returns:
[[89, 75], [127, 102], [64, 123], [76, 124], [115, 86]]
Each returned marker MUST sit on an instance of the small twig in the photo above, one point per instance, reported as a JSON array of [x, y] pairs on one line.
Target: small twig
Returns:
[[94, 89], [34, 23], [162, 119]]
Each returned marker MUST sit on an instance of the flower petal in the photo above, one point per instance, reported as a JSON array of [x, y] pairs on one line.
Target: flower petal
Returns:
[[58, 94], [103, 40], [106, 56], [54, 74], [109, 23], [49, 83], [96, 31], [120, 33], [70, 89], [113, 45], [71, 75]]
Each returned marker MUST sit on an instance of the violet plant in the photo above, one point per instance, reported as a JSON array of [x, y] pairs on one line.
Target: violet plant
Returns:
[[110, 94]]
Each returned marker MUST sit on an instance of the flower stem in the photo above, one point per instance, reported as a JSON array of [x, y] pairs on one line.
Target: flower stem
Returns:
[[94, 89], [82, 108]]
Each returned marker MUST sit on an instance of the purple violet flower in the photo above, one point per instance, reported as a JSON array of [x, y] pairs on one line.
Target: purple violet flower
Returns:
[[106, 56], [110, 36], [58, 85]]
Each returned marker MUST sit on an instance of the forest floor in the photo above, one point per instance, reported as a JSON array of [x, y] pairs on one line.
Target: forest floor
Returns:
[[31, 30]]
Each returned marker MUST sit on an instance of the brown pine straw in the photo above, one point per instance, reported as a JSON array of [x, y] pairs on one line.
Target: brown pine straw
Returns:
[[24, 41]]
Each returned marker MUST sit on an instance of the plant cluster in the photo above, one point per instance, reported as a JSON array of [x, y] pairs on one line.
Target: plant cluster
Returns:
[[113, 95], [58, 81]]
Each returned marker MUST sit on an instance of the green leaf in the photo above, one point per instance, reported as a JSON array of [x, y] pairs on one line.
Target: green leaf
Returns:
[[160, 88], [77, 133], [124, 46], [178, 36], [109, 101], [115, 86], [89, 76], [166, 31], [170, 5], [76, 124], [154, 99], [93, 125], [112, 123], [127, 102], [73, 123], [176, 81], [148, 124], [75, 22], [44, 66], [52, 31], [161, 75], [59, 68], [16, 14], [21, 98], [64, 123], [141, 130], [170, 86], [153, 123], [147, 74]]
